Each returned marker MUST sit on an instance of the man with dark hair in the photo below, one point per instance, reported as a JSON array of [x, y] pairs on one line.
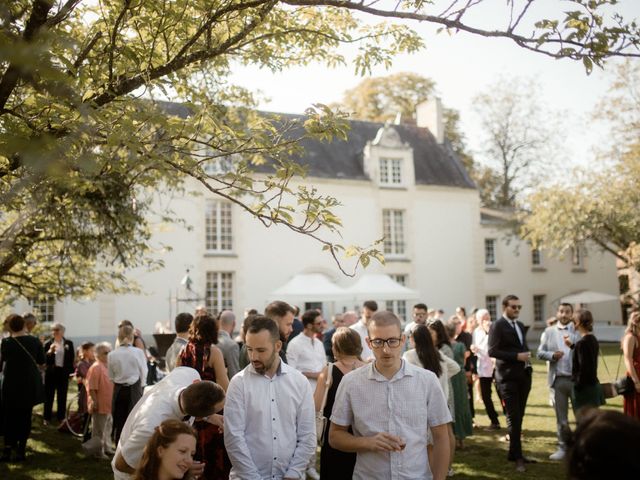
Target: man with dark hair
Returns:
[[269, 418], [183, 322], [419, 315], [282, 313], [508, 345], [306, 352], [368, 308], [178, 395], [390, 405], [554, 350]]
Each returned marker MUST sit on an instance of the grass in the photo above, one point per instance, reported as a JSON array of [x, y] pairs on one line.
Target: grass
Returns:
[[57, 456]]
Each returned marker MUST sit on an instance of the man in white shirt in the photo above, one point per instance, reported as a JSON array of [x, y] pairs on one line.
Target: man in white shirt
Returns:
[[305, 352], [480, 346], [368, 309], [390, 406], [128, 372], [229, 348], [554, 350], [419, 318], [182, 323], [269, 418], [181, 393]]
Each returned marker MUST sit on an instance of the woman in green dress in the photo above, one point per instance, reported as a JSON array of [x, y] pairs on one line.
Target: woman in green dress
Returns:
[[462, 421]]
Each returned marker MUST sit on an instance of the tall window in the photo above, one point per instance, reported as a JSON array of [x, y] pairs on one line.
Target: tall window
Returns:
[[390, 171], [219, 293], [536, 257], [43, 308], [577, 257], [218, 233], [491, 304], [399, 307], [393, 231], [490, 252], [539, 308]]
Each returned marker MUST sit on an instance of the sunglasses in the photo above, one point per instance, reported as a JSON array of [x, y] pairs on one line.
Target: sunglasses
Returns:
[[516, 307]]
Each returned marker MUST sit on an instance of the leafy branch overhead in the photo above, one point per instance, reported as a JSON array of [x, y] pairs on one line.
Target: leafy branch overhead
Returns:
[[86, 143]]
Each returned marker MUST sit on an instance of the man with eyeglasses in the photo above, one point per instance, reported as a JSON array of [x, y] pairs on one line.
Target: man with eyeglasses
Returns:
[[508, 345], [419, 315], [384, 410]]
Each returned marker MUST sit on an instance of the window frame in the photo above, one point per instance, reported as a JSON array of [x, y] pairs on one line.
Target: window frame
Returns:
[[215, 287], [394, 245], [391, 172], [216, 238]]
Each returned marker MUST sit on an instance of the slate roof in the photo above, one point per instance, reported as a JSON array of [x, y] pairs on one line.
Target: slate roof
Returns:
[[434, 164]]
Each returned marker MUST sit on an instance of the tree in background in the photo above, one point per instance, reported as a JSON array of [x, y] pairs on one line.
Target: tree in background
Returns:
[[520, 136], [85, 144], [598, 206]]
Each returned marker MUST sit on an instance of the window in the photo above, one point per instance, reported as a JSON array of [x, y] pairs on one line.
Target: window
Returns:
[[393, 231], [219, 293], [399, 307], [539, 315], [577, 257], [490, 252], [43, 308], [390, 171], [218, 234], [536, 257], [217, 164], [491, 304]]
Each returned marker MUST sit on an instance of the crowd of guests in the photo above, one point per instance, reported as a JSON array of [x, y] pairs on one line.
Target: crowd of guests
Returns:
[[369, 392]]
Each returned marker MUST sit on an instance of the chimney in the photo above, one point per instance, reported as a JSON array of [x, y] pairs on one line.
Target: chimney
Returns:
[[429, 115]]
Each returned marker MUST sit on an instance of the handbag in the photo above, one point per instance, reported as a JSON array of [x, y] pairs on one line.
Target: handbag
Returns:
[[620, 386], [321, 420]]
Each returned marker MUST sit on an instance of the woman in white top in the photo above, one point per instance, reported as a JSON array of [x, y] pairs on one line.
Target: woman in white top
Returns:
[[426, 355], [480, 347]]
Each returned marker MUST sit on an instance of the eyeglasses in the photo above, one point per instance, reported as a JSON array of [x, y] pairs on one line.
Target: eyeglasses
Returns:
[[391, 342], [516, 307]]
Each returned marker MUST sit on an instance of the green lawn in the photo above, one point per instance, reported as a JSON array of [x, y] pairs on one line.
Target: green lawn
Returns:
[[53, 455]]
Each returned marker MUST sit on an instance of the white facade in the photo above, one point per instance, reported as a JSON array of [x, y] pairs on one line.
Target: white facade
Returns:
[[436, 245]]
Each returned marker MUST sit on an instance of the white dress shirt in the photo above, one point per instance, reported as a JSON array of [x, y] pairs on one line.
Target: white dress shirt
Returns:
[[407, 405], [127, 364], [361, 328], [159, 403], [306, 354], [269, 424]]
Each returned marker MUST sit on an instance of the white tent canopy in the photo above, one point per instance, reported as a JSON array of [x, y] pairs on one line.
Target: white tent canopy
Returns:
[[588, 296], [309, 287], [378, 286]]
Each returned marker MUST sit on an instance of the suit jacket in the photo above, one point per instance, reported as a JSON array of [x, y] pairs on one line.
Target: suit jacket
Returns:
[[69, 356], [551, 341], [504, 346]]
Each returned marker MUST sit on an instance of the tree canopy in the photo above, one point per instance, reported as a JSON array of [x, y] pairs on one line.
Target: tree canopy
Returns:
[[85, 142]]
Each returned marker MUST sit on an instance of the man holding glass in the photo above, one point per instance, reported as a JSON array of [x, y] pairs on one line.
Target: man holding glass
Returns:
[[390, 405]]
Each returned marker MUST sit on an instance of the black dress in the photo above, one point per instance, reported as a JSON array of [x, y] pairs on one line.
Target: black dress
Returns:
[[334, 464], [21, 387]]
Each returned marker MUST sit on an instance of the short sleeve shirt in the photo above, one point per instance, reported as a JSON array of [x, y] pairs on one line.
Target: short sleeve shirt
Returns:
[[406, 405]]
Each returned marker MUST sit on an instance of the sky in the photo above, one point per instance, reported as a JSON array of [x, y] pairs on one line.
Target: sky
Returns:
[[462, 65]]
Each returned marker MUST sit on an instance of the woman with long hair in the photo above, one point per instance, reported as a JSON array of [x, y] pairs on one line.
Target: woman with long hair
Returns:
[[462, 423], [169, 452], [202, 354], [347, 348], [586, 387], [631, 353], [426, 355]]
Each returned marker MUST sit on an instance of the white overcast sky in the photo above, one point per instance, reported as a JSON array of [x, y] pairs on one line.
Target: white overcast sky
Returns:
[[461, 65]]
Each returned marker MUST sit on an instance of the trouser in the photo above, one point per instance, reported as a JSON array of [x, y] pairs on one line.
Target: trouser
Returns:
[[514, 395], [100, 434], [485, 391], [560, 394], [56, 382], [470, 394], [124, 399], [17, 426]]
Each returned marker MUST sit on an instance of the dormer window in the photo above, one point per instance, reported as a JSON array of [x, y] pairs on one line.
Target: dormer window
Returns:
[[391, 171]]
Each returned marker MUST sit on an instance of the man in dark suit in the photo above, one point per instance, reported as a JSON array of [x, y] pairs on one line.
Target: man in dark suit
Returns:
[[508, 345], [60, 357]]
